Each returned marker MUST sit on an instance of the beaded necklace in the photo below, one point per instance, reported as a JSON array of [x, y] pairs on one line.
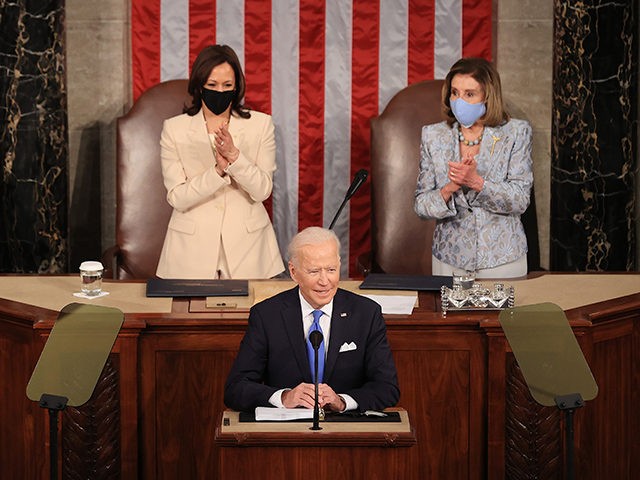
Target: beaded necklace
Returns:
[[469, 143]]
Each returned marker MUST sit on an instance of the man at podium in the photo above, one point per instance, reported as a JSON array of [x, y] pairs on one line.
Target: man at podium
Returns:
[[275, 362]]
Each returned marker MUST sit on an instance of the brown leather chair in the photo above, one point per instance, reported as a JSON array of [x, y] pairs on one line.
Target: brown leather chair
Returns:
[[401, 241], [142, 211]]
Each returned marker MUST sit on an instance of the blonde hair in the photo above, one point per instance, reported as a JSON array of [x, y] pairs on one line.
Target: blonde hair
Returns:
[[311, 236]]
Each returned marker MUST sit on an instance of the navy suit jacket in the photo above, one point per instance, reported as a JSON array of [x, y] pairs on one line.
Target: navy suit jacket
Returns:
[[273, 353]]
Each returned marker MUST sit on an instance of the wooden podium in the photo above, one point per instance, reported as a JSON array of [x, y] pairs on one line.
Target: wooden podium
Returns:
[[277, 450]]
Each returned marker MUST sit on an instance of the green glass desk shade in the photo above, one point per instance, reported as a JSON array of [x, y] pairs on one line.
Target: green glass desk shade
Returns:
[[551, 362], [75, 353], [72, 361], [547, 352]]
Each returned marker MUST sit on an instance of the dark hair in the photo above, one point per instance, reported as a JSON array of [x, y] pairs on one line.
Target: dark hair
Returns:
[[207, 59], [487, 76]]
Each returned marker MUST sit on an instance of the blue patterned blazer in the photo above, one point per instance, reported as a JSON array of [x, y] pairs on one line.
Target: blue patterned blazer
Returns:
[[477, 230]]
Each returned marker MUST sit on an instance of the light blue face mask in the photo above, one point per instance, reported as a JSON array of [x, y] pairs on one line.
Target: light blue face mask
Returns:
[[467, 113]]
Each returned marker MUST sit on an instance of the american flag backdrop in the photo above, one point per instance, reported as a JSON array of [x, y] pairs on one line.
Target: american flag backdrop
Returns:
[[322, 70]]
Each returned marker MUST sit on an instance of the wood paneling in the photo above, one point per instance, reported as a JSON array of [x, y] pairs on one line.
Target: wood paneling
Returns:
[[316, 463], [94, 427], [159, 399], [20, 418]]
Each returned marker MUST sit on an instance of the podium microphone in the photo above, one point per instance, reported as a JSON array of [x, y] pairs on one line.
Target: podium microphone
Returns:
[[359, 178], [315, 338]]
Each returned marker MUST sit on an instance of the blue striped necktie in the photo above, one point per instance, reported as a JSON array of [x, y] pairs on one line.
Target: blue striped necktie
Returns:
[[316, 326]]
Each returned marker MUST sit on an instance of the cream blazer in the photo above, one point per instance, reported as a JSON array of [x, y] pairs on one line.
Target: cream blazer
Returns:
[[210, 210]]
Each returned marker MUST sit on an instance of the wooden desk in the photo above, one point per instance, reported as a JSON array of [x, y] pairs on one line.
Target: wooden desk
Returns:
[[156, 407]]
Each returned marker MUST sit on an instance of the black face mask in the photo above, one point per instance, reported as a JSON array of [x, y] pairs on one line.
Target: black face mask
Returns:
[[217, 101]]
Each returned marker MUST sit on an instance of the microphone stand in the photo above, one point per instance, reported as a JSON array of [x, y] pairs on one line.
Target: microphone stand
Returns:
[[358, 180], [344, 202], [315, 338]]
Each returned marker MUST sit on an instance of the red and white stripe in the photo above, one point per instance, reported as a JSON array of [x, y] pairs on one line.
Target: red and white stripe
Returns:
[[322, 70]]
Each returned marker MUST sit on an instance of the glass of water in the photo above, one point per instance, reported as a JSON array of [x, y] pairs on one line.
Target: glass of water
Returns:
[[464, 278], [91, 278]]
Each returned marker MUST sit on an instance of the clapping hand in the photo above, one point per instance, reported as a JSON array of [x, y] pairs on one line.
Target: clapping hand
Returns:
[[465, 173], [226, 151]]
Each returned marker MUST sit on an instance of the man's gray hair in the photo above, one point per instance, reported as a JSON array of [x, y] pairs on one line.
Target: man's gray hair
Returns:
[[311, 236]]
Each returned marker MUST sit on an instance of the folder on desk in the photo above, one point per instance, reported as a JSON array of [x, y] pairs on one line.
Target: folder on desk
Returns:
[[270, 414], [384, 281], [164, 287]]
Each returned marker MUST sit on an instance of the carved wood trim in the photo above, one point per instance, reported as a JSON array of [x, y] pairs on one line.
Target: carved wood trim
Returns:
[[533, 435], [91, 432]]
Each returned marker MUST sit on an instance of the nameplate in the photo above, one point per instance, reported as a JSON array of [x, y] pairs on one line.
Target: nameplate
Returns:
[[162, 287]]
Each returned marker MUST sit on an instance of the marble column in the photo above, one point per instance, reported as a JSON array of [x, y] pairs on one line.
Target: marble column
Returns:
[[594, 142], [33, 137]]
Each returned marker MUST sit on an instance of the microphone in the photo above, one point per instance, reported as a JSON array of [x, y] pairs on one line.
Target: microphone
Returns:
[[359, 178], [315, 338]]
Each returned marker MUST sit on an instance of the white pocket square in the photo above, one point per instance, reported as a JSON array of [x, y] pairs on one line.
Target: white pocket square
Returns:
[[347, 347]]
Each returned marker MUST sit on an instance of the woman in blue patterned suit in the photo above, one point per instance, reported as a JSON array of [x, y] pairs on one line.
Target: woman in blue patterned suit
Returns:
[[475, 177]]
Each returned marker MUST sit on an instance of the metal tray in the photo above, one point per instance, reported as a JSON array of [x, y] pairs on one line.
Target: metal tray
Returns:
[[478, 297]]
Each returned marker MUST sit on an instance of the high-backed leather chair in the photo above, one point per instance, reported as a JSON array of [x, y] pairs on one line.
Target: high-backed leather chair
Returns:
[[142, 211], [401, 241]]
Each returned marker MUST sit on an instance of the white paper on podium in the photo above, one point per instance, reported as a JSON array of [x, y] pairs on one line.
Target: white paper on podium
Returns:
[[282, 414], [394, 304]]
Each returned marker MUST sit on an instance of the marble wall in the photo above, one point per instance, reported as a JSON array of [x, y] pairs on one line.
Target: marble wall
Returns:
[[594, 140], [524, 59], [98, 78], [33, 138]]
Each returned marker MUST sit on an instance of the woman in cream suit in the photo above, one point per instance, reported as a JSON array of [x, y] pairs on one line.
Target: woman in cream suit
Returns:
[[218, 159]]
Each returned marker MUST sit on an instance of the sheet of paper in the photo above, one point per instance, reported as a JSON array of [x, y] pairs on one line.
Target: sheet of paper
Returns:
[[282, 414], [395, 304]]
